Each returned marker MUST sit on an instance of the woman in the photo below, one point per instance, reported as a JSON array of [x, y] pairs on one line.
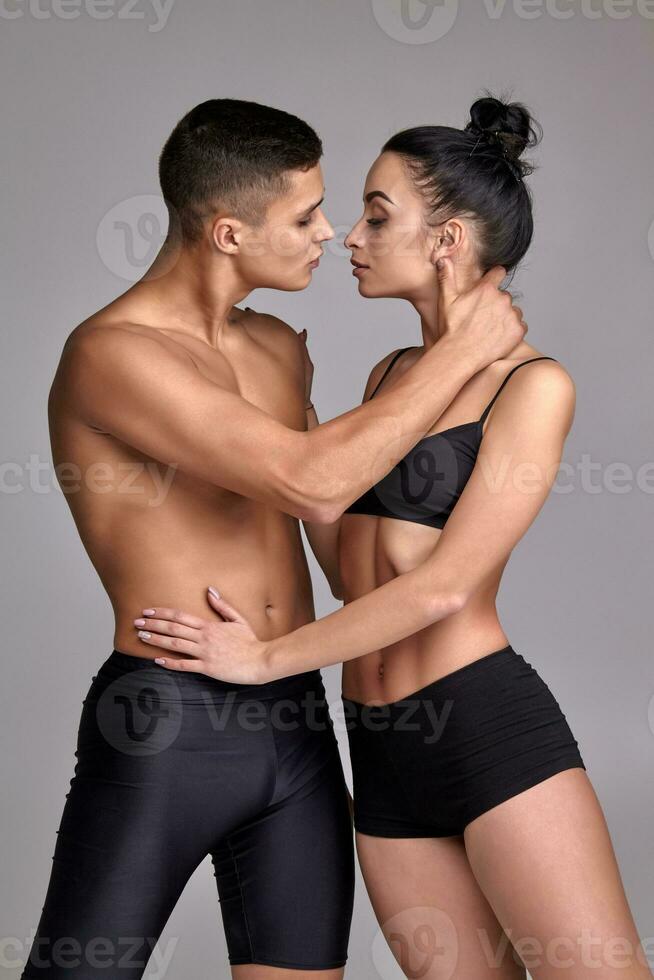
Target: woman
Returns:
[[482, 843]]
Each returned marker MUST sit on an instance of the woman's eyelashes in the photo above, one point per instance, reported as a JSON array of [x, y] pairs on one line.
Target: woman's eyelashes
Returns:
[[375, 222]]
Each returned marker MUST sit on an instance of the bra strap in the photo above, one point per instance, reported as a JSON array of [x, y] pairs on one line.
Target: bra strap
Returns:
[[393, 360], [543, 357]]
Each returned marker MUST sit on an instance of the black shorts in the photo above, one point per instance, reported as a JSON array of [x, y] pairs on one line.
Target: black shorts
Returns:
[[172, 767], [427, 765]]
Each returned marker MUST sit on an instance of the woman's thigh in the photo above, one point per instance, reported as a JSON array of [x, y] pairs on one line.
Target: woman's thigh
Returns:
[[434, 916], [545, 861]]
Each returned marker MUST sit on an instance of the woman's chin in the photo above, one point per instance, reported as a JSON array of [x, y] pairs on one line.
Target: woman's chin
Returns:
[[369, 293]]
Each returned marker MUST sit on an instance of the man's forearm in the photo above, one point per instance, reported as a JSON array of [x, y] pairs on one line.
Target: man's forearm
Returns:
[[347, 455], [397, 609]]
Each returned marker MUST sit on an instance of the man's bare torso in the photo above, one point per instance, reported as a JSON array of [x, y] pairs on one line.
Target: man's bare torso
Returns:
[[159, 537]]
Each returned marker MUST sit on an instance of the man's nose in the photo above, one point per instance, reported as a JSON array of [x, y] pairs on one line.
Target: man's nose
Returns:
[[326, 230]]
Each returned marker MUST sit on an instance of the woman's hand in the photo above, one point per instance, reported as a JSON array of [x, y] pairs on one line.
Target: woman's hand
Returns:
[[308, 365], [224, 648]]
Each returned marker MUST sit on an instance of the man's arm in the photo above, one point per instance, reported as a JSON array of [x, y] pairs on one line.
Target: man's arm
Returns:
[[512, 477], [143, 395]]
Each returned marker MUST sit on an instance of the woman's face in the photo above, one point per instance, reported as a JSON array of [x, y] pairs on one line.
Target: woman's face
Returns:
[[390, 238]]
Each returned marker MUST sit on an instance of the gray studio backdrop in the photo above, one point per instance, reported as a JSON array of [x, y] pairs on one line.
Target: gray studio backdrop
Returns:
[[91, 92]]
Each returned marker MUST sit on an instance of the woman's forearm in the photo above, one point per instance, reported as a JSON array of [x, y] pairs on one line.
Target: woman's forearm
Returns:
[[395, 610], [323, 538]]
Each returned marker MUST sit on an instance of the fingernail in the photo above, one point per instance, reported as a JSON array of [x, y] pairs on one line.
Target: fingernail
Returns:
[[144, 635], [148, 612], [214, 592], [139, 622], [159, 660]]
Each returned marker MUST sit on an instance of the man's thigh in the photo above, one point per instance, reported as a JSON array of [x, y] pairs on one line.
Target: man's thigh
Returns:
[[286, 878]]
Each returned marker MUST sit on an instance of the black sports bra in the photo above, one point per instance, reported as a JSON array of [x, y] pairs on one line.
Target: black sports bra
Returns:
[[425, 486]]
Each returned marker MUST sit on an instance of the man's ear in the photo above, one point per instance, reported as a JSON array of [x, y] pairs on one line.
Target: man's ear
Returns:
[[227, 234]]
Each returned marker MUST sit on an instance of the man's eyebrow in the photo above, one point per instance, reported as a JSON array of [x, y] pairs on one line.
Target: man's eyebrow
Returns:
[[313, 206], [372, 194]]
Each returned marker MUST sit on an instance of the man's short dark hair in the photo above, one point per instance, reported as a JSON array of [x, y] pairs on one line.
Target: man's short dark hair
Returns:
[[231, 154]]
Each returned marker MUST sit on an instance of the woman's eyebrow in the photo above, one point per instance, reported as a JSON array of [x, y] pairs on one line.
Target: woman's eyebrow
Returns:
[[373, 194]]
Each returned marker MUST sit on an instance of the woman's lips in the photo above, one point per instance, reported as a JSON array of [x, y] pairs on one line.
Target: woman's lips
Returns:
[[359, 268]]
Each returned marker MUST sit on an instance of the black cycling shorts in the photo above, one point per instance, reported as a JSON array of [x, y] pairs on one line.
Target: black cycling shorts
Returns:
[[171, 767]]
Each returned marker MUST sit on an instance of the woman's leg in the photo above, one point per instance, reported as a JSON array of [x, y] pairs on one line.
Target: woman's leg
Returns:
[[433, 914], [545, 862]]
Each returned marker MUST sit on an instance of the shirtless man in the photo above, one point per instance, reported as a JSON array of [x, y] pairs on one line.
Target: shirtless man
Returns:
[[186, 418]]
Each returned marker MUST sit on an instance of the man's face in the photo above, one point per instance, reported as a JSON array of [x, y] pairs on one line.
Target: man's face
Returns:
[[278, 254]]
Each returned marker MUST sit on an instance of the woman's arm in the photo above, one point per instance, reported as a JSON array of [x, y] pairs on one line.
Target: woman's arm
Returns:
[[323, 538], [517, 464]]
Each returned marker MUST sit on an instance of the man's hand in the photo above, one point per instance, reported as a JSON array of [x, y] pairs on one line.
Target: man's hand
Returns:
[[484, 317], [308, 365]]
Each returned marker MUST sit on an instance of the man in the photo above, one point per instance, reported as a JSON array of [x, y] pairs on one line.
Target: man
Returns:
[[187, 417]]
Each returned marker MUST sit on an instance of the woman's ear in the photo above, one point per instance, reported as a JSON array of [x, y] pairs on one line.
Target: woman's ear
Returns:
[[448, 239]]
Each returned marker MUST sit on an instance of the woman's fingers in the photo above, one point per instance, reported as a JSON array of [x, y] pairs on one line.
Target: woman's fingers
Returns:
[[169, 643], [195, 622], [176, 663], [226, 611], [169, 628]]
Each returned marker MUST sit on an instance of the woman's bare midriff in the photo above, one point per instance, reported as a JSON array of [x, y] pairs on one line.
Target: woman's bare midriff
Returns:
[[374, 550]]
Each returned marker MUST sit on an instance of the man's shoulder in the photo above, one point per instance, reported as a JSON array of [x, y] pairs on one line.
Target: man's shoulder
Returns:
[[279, 337], [269, 324], [117, 337]]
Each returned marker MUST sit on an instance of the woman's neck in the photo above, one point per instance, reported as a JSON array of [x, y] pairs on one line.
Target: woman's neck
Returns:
[[427, 306]]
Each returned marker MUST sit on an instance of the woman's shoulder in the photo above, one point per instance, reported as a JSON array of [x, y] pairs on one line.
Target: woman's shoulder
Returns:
[[378, 371], [544, 390], [544, 365]]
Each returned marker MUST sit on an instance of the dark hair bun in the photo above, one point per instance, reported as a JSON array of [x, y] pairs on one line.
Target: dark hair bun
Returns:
[[509, 124]]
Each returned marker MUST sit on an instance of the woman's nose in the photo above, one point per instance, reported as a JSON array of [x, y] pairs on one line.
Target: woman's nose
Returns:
[[350, 240]]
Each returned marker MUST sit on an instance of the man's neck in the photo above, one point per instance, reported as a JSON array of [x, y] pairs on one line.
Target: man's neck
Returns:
[[194, 292]]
